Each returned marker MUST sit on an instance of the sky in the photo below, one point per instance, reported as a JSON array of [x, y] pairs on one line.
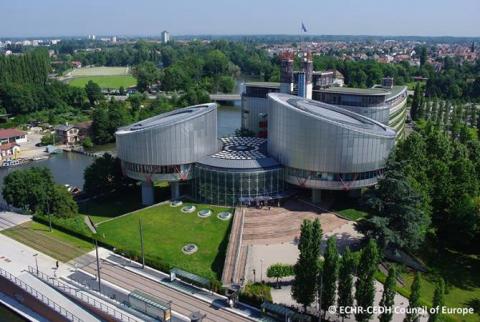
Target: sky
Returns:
[[43, 18]]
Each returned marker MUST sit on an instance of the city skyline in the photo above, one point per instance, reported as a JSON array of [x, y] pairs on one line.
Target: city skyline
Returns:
[[214, 17]]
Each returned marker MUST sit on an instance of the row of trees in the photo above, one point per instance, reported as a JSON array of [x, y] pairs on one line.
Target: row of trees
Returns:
[[349, 280], [31, 67], [331, 281]]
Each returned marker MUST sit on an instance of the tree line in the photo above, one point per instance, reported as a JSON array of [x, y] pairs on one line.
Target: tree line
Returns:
[[347, 281]]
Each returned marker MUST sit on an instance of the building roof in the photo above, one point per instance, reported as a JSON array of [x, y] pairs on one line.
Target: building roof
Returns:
[[8, 146], [356, 91], [263, 84], [170, 118], [63, 127], [241, 153], [9, 133], [333, 114]]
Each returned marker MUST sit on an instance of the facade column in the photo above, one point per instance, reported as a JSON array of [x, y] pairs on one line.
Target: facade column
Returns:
[[175, 190], [148, 196]]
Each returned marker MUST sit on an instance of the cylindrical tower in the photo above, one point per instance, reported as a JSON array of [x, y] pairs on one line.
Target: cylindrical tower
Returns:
[[307, 63], [326, 147], [164, 147]]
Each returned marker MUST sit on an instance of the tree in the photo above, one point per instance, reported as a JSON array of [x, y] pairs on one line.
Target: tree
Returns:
[[147, 74], [34, 189], [87, 143], [103, 175], [388, 296], [279, 271], [48, 139], [345, 282], [94, 92], [306, 268], [416, 101], [61, 203], [330, 274], [438, 301], [414, 300], [399, 218], [365, 287]]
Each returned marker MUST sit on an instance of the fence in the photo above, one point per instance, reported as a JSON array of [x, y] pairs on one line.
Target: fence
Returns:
[[81, 296], [42, 298]]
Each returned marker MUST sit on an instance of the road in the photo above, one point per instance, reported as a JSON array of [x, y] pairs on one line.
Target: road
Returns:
[[181, 303]]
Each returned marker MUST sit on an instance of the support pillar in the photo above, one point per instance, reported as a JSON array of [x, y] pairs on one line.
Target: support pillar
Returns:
[[316, 195], [148, 197], [175, 190]]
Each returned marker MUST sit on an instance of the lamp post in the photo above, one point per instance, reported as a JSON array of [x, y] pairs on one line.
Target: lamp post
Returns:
[[98, 267], [36, 261], [261, 270]]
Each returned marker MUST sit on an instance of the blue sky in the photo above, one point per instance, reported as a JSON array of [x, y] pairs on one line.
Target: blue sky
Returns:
[[149, 17]]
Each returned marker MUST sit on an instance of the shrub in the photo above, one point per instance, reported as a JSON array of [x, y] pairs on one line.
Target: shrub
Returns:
[[256, 293]]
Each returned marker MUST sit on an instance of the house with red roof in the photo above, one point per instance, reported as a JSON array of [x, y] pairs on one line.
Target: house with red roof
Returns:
[[12, 136]]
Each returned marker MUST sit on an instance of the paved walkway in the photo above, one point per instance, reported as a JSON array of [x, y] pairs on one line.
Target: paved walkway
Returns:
[[10, 219]]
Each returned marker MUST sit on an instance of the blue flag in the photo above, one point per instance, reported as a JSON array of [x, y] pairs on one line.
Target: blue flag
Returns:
[[304, 29]]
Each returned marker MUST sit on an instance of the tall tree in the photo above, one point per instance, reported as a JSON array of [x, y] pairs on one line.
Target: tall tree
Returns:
[[438, 301], [388, 296], [365, 287], [416, 101], [330, 274], [94, 92], [306, 268], [345, 282], [414, 300]]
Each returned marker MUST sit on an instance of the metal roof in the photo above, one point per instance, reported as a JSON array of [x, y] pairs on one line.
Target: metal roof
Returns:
[[333, 114], [169, 118], [263, 84], [240, 153]]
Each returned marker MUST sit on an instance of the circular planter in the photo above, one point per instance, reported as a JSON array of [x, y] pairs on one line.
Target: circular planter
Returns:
[[189, 249], [224, 215], [176, 203], [204, 213], [188, 209]]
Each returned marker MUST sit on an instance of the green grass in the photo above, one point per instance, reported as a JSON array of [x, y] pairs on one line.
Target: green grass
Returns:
[[462, 277], [352, 214], [111, 206], [167, 230], [56, 244], [115, 81]]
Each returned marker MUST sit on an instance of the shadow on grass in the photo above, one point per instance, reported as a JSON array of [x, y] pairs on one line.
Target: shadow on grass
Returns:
[[474, 304], [217, 265], [459, 270]]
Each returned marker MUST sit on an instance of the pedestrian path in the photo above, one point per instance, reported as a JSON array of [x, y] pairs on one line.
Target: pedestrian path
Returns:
[[57, 297]]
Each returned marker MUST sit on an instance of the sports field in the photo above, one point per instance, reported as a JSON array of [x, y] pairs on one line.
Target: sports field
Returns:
[[124, 81], [105, 77], [166, 230]]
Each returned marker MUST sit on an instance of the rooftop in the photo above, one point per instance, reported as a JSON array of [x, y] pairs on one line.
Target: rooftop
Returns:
[[333, 114], [8, 133], [356, 91], [169, 118], [240, 153], [263, 84]]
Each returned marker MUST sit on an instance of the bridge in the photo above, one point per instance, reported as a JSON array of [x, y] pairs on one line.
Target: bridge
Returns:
[[226, 98]]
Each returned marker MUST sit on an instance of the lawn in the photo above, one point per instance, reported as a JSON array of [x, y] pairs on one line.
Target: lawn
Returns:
[[115, 81], [166, 230], [120, 203], [56, 244], [462, 277], [352, 214]]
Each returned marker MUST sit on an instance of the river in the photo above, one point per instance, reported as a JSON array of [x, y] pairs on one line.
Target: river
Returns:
[[68, 168]]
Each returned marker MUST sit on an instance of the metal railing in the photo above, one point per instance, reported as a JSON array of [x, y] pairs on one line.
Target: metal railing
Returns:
[[42, 298], [79, 294]]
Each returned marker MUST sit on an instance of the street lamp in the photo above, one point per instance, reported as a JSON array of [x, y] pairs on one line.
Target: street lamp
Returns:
[[261, 270], [254, 279], [36, 261]]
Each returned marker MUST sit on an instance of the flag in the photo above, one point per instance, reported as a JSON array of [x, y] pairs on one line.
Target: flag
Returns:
[[304, 29]]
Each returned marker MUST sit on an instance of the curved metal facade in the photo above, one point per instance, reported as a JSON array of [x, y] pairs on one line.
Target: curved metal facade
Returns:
[[323, 146], [164, 147]]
